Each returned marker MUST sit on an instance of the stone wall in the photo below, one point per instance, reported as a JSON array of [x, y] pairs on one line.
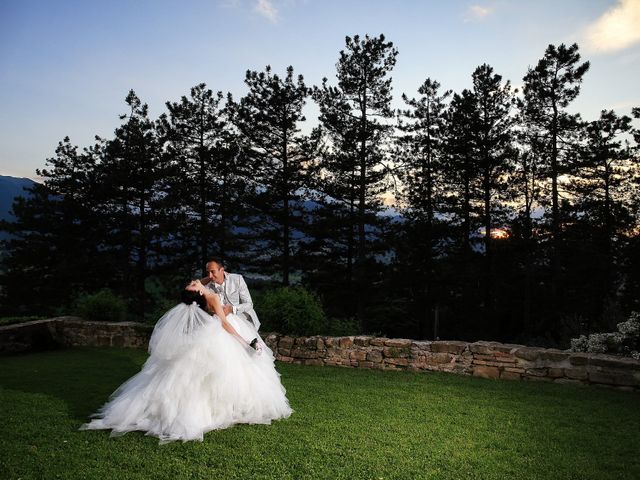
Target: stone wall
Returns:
[[482, 359], [71, 332]]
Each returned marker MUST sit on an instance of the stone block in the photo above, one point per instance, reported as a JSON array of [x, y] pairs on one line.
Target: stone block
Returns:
[[579, 358], [345, 342], [486, 371], [311, 343], [536, 372], [499, 357], [394, 352], [554, 355], [448, 347], [358, 355], [302, 353], [378, 341], [514, 369], [506, 348], [374, 356], [285, 342], [438, 358], [361, 341], [576, 373], [510, 375], [483, 348], [398, 343], [422, 346], [530, 354], [612, 361], [492, 364], [555, 372], [397, 361]]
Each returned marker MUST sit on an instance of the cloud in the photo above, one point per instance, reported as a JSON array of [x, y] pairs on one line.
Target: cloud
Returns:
[[477, 13], [616, 29], [267, 10]]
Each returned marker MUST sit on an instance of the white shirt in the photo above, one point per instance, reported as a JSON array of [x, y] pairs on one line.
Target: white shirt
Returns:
[[223, 298]]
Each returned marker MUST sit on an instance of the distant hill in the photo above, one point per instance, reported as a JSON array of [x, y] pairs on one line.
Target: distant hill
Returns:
[[10, 188]]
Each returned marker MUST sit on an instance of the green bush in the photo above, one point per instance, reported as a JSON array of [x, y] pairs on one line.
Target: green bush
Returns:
[[292, 310], [101, 306], [162, 295], [343, 327], [626, 341]]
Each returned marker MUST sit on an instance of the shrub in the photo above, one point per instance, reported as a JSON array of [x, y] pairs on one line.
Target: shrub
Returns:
[[626, 341], [292, 310], [101, 306], [162, 295], [343, 327]]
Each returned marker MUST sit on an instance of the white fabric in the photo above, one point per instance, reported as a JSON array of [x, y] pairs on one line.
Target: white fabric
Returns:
[[234, 291], [197, 378]]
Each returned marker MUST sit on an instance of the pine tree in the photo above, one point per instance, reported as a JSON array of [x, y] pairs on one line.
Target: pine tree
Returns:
[[206, 180], [55, 237], [494, 101], [354, 114], [603, 206], [131, 171], [268, 119], [548, 90], [419, 156], [460, 168]]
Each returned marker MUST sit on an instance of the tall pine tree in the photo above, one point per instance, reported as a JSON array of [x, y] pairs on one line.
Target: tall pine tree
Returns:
[[356, 113], [268, 118]]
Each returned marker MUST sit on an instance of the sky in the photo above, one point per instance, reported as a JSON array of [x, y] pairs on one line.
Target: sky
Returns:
[[66, 66]]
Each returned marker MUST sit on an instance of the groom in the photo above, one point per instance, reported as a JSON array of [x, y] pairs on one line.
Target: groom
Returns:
[[233, 291]]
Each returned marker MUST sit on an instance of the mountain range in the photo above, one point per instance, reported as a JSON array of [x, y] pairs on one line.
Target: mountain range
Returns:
[[11, 187]]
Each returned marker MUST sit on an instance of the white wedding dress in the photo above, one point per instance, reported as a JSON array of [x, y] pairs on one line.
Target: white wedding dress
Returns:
[[197, 378]]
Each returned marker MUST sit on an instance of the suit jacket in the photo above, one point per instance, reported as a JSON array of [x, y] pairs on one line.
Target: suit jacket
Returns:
[[236, 293]]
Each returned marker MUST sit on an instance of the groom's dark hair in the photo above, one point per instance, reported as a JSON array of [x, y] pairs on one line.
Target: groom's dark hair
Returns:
[[216, 260]]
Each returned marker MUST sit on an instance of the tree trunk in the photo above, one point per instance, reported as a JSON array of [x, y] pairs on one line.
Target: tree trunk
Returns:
[[285, 212], [555, 213]]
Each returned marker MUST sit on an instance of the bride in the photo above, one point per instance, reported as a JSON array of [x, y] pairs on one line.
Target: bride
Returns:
[[204, 372]]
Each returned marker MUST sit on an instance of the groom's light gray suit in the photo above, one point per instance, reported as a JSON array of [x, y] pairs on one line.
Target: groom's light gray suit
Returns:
[[235, 292]]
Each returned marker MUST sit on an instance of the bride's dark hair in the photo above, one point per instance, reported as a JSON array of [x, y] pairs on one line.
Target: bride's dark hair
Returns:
[[188, 297]]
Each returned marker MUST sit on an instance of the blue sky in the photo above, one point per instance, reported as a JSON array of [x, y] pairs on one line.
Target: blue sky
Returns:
[[66, 66]]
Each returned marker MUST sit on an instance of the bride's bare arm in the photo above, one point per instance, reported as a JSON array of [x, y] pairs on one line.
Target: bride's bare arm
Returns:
[[214, 305]]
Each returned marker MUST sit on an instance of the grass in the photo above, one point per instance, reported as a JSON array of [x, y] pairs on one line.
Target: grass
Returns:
[[348, 424]]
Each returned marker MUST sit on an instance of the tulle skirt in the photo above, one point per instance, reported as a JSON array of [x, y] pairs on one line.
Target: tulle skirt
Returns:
[[197, 378]]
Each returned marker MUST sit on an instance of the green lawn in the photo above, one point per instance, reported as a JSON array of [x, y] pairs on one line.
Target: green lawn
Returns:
[[351, 424]]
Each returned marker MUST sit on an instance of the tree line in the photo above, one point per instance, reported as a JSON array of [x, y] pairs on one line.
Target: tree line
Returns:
[[515, 219]]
